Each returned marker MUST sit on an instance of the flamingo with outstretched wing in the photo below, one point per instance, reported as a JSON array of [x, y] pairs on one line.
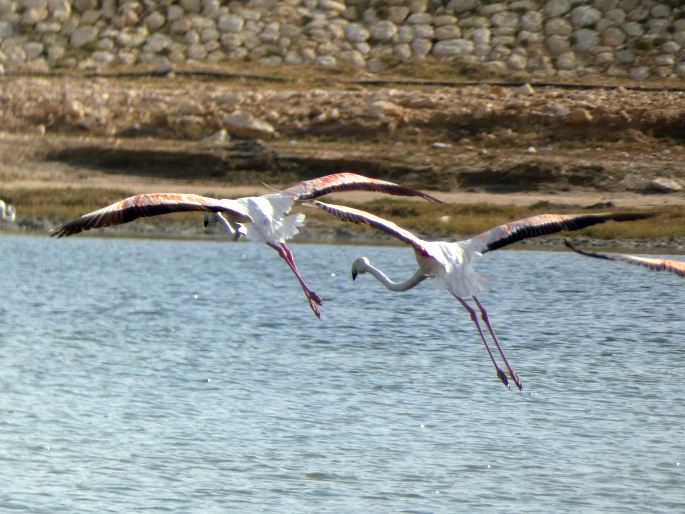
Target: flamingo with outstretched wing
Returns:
[[451, 263], [264, 218]]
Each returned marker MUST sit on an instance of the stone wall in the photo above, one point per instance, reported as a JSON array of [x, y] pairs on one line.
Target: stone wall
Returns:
[[562, 38]]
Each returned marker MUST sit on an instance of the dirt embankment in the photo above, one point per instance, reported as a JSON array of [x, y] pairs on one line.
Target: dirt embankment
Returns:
[[516, 145]]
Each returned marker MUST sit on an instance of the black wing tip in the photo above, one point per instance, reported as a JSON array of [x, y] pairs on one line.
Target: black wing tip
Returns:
[[430, 198], [586, 253], [569, 245], [64, 231], [398, 190]]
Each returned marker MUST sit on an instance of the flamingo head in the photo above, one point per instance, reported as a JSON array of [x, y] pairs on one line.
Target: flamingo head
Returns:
[[210, 218], [359, 266]]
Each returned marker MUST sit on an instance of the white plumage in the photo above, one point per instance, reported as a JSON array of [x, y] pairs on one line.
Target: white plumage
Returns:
[[264, 219], [7, 212], [450, 264]]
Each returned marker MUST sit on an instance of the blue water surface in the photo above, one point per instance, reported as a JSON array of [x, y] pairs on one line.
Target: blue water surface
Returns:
[[186, 376]]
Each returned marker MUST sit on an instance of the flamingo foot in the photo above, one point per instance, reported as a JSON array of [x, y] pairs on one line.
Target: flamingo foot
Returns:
[[517, 380], [503, 378], [314, 302]]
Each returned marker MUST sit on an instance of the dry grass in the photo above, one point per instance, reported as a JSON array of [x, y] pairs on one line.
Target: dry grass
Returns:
[[434, 221], [448, 221], [451, 221]]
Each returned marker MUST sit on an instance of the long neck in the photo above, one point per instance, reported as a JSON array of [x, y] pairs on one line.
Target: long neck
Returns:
[[232, 230], [415, 279]]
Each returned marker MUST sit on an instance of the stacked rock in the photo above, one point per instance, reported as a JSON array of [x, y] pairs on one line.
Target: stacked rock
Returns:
[[565, 38]]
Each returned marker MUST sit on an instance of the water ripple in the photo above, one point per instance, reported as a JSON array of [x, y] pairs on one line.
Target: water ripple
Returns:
[[126, 386]]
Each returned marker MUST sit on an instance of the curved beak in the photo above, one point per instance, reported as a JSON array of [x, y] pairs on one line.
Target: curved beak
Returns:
[[354, 275]]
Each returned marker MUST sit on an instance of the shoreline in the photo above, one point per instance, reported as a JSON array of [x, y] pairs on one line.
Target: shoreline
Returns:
[[492, 153], [353, 236]]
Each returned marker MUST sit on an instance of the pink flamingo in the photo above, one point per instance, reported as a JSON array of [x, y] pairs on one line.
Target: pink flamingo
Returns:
[[264, 218], [451, 263]]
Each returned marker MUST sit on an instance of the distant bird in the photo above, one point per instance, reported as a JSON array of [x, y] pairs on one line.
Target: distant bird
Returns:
[[677, 267], [7, 211], [451, 263], [262, 218]]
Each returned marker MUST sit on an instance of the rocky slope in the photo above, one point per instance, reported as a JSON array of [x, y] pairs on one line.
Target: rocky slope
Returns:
[[491, 137]]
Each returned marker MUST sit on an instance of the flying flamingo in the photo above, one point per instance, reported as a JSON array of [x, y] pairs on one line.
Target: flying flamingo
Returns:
[[7, 212], [451, 263], [262, 218], [677, 267]]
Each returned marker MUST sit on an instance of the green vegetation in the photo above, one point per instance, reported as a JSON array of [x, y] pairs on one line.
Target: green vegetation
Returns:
[[62, 204], [451, 221], [444, 221], [55, 206]]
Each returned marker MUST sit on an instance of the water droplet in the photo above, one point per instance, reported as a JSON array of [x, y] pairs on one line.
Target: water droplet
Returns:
[[195, 296]]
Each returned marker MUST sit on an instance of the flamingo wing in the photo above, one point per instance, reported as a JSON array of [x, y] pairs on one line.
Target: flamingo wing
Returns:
[[150, 204], [339, 182], [542, 224], [366, 218], [677, 267]]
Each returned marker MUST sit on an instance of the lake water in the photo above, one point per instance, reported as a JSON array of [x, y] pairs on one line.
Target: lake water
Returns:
[[181, 376]]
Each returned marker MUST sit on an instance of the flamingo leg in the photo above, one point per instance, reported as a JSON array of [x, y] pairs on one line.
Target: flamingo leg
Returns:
[[474, 317], [512, 373], [285, 254]]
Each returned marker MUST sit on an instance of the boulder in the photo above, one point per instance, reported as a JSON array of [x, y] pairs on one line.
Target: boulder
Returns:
[[453, 48], [462, 6], [447, 32], [383, 30], [639, 72], [555, 8], [532, 21], [579, 117], [83, 35], [156, 43], [6, 29], [230, 23], [585, 39], [154, 20], [585, 16], [356, 33], [664, 185], [34, 15], [243, 124], [558, 27]]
